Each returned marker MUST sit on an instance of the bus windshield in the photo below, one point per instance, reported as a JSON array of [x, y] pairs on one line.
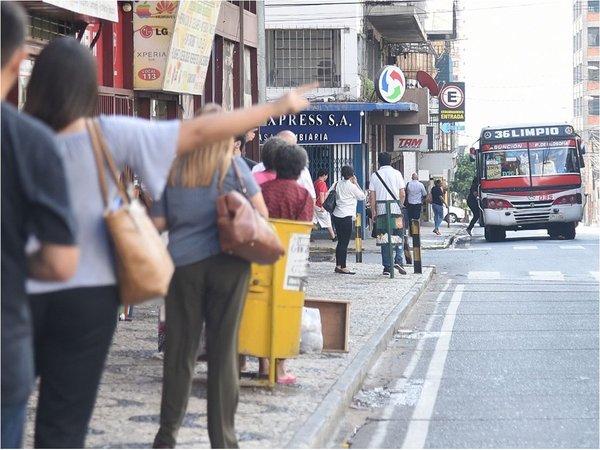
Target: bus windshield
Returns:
[[539, 159]]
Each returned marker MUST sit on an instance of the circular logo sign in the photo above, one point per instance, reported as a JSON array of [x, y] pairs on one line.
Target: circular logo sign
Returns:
[[146, 31], [390, 84], [452, 96]]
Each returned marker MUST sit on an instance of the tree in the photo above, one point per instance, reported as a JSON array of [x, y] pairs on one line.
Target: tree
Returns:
[[463, 177]]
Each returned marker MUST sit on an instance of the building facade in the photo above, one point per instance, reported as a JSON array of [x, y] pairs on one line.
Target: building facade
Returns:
[[586, 98], [127, 35]]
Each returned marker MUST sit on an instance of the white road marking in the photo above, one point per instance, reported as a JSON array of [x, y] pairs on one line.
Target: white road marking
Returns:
[[546, 276], [403, 387], [418, 427], [480, 275], [571, 247], [525, 247]]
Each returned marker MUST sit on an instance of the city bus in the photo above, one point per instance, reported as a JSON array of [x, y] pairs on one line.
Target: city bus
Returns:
[[530, 179]]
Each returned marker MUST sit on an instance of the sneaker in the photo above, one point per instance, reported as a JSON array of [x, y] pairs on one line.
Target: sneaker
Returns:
[[400, 269], [386, 273]]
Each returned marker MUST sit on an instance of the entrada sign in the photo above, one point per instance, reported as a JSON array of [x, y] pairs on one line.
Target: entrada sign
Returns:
[[317, 127], [452, 102]]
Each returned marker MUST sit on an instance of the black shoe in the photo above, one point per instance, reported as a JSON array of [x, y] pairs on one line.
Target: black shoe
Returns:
[[334, 239], [386, 273], [400, 268]]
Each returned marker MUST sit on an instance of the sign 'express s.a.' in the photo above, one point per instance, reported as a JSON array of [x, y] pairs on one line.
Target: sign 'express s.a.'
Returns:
[[317, 127]]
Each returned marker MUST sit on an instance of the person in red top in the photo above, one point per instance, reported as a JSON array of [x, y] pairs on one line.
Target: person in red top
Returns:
[[286, 199], [322, 217]]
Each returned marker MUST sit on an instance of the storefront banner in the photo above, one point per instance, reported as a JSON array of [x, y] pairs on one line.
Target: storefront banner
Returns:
[[410, 143], [189, 53], [317, 127], [153, 24], [102, 9]]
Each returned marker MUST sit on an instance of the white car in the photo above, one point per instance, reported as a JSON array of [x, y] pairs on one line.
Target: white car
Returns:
[[455, 214]]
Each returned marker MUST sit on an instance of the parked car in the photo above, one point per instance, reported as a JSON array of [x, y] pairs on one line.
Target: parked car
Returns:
[[455, 214]]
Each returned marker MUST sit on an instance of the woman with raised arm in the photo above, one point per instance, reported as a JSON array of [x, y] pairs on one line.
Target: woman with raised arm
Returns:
[[74, 320]]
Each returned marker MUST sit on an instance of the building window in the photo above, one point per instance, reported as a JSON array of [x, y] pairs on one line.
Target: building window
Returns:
[[594, 6], [593, 37], [593, 70], [594, 106], [296, 57]]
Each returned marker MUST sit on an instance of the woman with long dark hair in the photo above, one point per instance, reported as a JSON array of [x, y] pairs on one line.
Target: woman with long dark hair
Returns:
[[74, 320]]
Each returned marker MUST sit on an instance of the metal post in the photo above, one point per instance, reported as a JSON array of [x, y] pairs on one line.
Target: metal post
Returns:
[[359, 237], [414, 226]]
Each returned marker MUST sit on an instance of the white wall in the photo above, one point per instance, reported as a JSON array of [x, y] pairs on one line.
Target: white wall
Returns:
[[438, 164]]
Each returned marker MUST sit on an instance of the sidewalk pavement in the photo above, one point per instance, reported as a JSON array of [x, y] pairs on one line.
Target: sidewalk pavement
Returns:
[[303, 415]]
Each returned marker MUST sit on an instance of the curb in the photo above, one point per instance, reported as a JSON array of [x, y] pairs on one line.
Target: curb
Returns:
[[318, 429]]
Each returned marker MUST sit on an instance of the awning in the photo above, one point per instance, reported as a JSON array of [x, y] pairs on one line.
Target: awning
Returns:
[[363, 106]]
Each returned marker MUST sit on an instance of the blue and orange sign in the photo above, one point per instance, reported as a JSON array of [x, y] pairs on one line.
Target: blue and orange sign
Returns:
[[390, 84]]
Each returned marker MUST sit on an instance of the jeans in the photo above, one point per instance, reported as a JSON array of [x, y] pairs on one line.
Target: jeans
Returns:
[[438, 215], [385, 256], [13, 421]]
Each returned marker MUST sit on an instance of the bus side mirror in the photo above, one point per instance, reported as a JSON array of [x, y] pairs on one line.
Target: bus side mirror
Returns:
[[581, 161], [472, 153]]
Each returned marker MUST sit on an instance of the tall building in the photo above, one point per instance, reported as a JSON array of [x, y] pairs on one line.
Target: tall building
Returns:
[[586, 98]]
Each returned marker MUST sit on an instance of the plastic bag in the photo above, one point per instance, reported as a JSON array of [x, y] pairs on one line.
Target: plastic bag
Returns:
[[311, 339]]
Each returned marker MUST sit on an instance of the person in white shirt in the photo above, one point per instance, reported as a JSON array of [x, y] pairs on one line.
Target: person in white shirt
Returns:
[[348, 192], [305, 179], [415, 193], [387, 184]]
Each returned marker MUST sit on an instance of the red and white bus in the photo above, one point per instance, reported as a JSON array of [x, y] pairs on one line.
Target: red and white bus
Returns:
[[530, 179]]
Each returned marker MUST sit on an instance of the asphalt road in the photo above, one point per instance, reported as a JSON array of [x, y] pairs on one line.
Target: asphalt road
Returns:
[[501, 351]]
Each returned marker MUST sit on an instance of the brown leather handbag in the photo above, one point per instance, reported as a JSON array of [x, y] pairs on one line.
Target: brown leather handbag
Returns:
[[144, 266], [243, 231]]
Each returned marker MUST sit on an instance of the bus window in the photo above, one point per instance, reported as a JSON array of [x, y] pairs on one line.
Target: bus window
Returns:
[[503, 164], [551, 161]]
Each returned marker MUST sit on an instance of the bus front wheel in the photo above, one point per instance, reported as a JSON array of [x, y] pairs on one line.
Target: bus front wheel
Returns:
[[494, 234], [568, 230]]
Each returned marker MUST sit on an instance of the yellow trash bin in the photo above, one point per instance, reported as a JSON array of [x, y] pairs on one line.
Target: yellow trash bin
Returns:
[[271, 320]]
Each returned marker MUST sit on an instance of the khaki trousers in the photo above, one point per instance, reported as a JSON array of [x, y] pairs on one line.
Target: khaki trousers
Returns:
[[214, 291]]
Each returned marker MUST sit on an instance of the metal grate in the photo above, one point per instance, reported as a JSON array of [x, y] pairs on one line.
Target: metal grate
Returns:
[[296, 57], [113, 101]]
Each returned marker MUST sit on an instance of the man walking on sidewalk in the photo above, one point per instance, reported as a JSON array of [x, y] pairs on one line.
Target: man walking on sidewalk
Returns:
[[387, 184], [415, 194]]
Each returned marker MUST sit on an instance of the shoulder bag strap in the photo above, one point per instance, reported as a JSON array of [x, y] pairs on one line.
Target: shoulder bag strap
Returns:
[[101, 152], [386, 186], [241, 181]]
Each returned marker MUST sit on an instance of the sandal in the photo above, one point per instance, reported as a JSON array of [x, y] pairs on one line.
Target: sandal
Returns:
[[286, 379]]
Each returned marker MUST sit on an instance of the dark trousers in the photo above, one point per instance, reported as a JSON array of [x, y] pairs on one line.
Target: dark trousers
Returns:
[[474, 207], [343, 229], [414, 212], [211, 291], [73, 330]]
